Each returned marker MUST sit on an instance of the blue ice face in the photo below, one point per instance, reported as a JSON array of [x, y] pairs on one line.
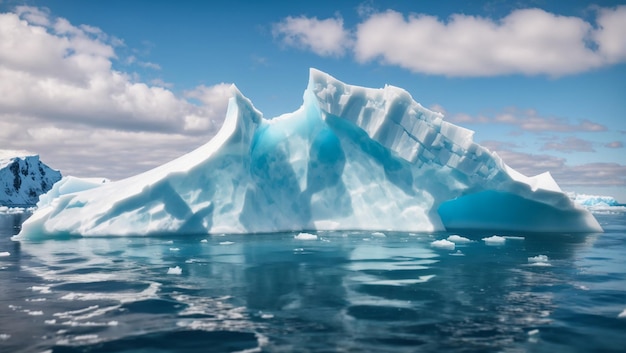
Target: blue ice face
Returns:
[[349, 158]]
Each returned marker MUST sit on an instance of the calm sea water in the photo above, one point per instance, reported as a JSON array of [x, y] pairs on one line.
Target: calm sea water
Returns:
[[344, 292]]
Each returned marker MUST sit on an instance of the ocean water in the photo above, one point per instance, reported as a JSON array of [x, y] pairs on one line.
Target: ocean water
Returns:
[[338, 292]]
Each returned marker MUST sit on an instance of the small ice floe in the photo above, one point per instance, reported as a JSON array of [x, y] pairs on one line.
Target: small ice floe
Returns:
[[4, 336], [266, 316], [305, 236], [169, 242], [533, 336], [379, 234], [457, 253], [539, 260], [34, 312], [50, 322], [41, 289], [622, 315], [175, 270], [5, 254], [457, 239], [204, 241], [494, 240], [443, 244], [174, 249], [227, 242]]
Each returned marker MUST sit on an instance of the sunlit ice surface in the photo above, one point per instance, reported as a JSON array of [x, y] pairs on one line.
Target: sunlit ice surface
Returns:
[[349, 158]]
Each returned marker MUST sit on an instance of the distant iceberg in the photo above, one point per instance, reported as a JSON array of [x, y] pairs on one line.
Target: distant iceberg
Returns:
[[23, 178], [350, 158], [597, 203]]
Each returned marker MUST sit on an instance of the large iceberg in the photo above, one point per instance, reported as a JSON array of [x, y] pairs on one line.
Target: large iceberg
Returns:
[[349, 158]]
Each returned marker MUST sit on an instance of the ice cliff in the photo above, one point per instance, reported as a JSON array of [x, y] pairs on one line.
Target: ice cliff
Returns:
[[349, 158], [23, 179]]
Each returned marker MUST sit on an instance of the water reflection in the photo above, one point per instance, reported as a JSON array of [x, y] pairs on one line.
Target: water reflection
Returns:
[[344, 291]]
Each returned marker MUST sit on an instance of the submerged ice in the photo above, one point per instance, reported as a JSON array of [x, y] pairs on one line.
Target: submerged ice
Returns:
[[349, 158]]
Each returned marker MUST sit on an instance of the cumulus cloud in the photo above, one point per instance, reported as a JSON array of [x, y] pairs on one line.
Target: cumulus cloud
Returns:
[[61, 96], [526, 41], [323, 37]]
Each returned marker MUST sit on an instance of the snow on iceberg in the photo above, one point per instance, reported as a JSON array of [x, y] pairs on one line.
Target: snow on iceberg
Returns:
[[23, 178], [349, 158]]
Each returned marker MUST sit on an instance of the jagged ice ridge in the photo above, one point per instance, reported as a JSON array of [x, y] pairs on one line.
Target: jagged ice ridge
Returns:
[[23, 178], [349, 158]]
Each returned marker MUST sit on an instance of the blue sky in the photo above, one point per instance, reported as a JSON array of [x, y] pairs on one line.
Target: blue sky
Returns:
[[112, 88]]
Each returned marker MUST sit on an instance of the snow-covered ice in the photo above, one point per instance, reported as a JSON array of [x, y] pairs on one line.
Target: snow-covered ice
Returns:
[[23, 178], [443, 244], [305, 236], [5, 254], [174, 270], [494, 240], [457, 239], [350, 158], [599, 204], [539, 260]]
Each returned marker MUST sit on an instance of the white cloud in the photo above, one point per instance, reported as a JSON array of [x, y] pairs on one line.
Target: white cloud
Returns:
[[323, 37], [61, 97], [526, 41], [529, 41], [610, 34]]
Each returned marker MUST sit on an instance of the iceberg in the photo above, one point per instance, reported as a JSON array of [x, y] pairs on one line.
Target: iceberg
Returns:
[[350, 158], [23, 178], [598, 204]]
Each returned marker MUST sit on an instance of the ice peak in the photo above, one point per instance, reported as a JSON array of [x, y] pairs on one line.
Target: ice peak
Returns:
[[350, 158]]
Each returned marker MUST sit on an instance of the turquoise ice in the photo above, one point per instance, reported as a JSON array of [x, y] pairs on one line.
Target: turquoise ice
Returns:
[[349, 158]]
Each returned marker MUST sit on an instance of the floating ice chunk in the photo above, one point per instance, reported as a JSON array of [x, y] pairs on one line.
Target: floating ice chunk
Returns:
[[539, 260], [443, 244], [622, 315], [204, 241], [267, 316], [379, 234], [494, 240], [174, 249], [305, 236], [458, 253], [4, 336], [227, 242], [5, 254], [533, 332], [457, 239], [41, 289], [175, 271]]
